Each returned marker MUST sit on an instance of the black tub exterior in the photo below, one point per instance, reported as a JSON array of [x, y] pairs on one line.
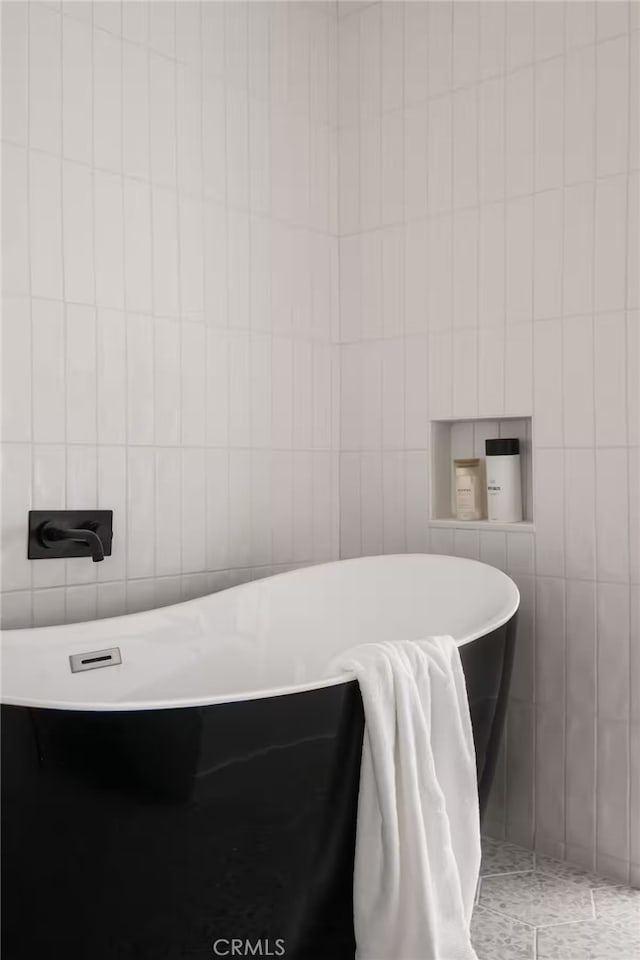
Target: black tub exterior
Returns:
[[166, 835]]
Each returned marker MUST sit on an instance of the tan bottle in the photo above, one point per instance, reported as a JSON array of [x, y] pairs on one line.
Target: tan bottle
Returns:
[[468, 489]]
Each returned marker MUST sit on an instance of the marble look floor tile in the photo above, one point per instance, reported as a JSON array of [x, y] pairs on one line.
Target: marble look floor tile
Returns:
[[499, 857], [574, 875], [617, 903], [495, 937], [536, 898], [589, 940]]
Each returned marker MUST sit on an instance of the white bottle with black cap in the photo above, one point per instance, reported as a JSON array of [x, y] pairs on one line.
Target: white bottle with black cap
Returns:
[[504, 487]]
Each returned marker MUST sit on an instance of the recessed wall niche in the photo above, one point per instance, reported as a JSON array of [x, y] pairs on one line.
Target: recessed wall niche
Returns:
[[458, 439]]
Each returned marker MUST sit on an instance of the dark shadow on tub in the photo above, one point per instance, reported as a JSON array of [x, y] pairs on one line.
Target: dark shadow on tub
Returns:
[[148, 835]]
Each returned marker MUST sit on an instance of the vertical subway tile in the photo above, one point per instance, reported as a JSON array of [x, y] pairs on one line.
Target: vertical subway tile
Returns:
[[613, 650], [579, 113], [282, 506], [193, 510], [193, 378], [549, 775], [547, 289], [45, 79], [491, 372], [440, 49], [439, 289], [393, 507], [610, 397], [166, 300], [77, 225], [416, 27], [137, 246], [107, 101], [580, 512], [577, 376], [80, 374], [439, 154], [582, 665], [465, 142], [416, 500], [48, 371], [392, 56], [15, 73], [112, 374], [162, 120], [578, 249], [549, 511], [613, 790], [519, 131], [492, 134], [581, 777], [465, 268], [350, 505], [612, 73], [610, 266], [108, 240], [168, 483], [580, 23], [519, 260], [491, 266], [549, 124], [45, 225], [260, 507], [140, 512], [16, 501], [520, 767], [520, 34], [548, 383], [16, 369], [440, 375], [217, 510], [550, 641], [612, 515], [140, 380], [416, 392], [466, 35], [465, 373], [135, 109], [15, 220], [77, 91]]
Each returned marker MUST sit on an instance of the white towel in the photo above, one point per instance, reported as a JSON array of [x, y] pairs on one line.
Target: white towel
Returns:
[[418, 834]]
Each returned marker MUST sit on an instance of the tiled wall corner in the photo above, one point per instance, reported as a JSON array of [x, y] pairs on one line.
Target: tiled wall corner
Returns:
[[489, 172]]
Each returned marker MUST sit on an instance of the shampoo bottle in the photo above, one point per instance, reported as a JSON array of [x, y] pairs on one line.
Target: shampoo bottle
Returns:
[[504, 486]]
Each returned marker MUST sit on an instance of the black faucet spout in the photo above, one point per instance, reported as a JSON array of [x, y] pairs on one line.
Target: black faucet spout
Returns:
[[52, 532]]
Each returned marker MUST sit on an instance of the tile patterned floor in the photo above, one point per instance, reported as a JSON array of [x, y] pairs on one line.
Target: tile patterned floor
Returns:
[[534, 908]]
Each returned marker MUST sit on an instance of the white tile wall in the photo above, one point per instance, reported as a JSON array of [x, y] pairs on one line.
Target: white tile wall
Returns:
[[158, 357], [178, 305], [517, 161]]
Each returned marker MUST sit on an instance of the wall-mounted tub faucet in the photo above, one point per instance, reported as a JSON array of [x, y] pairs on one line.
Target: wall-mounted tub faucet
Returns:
[[70, 533], [51, 533]]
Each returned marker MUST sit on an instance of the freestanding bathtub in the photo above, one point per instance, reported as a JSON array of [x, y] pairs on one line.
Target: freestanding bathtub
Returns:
[[204, 789]]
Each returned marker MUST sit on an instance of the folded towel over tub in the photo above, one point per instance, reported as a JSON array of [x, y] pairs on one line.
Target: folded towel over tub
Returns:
[[418, 835]]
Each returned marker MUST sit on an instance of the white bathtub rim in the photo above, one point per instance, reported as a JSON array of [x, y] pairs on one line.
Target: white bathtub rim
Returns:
[[9, 636]]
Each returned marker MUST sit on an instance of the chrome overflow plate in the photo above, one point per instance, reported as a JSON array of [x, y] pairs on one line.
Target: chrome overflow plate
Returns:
[[94, 659]]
